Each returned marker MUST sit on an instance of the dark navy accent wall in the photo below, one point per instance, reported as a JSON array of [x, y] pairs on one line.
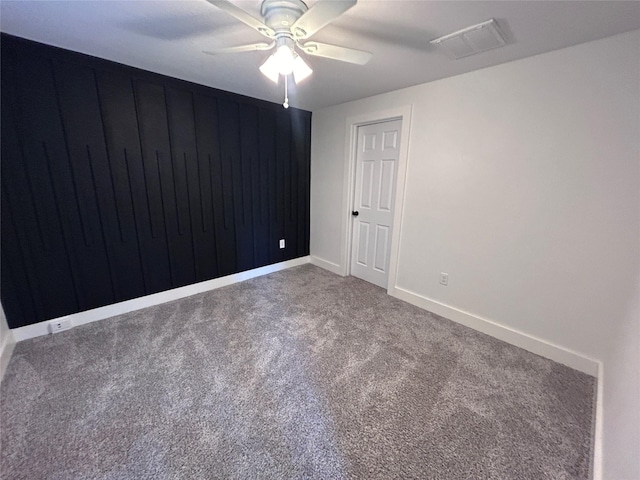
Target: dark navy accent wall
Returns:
[[119, 183]]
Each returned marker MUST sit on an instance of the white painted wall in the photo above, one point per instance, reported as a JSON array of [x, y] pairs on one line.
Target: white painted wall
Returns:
[[621, 442], [523, 183]]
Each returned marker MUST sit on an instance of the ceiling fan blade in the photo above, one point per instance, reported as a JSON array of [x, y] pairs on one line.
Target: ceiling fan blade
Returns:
[[240, 48], [350, 55], [319, 15], [243, 16]]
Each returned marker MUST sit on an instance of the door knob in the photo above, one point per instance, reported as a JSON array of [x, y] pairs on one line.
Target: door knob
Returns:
[[355, 213]]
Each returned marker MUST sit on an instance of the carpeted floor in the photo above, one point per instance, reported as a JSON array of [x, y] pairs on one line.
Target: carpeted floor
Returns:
[[298, 374]]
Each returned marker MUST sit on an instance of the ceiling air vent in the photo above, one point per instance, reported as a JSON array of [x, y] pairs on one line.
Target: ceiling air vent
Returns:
[[471, 40]]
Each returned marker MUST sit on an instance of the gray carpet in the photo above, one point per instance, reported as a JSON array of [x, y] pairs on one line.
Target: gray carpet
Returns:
[[298, 374]]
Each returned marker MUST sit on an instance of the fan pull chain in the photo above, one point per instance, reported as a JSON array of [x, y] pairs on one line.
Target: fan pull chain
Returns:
[[286, 93]]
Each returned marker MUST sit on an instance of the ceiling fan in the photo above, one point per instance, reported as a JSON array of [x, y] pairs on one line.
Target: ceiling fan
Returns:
[[288, 24]]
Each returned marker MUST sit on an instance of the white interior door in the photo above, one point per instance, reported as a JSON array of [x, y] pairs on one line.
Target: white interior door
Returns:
[[377, 152]]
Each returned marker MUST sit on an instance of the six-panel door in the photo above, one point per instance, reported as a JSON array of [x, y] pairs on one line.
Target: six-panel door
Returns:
[[376, 165]]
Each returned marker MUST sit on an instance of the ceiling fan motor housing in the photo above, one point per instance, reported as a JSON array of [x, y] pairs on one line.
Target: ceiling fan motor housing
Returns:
[[280, 15]]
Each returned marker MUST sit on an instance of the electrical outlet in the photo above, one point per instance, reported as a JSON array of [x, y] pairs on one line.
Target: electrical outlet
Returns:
[[444, 279], [282, 243], [60, 325]]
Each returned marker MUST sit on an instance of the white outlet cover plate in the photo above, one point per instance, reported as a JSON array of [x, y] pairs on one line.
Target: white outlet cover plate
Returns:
[[60, 325]]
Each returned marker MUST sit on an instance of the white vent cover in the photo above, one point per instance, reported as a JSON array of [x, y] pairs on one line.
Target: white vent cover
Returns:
[[471, 40]]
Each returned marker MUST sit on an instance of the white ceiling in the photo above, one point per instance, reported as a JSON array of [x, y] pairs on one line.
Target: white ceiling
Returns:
[[168, 36]]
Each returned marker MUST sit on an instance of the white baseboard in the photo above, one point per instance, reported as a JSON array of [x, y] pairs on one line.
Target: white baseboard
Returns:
[[520, 339], [327, 265], [6, 349], [88, 316], [598, 433]]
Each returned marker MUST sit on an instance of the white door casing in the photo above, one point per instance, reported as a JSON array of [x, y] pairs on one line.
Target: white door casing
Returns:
[[377, 154]]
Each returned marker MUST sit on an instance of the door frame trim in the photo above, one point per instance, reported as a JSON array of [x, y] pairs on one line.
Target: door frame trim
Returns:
[[402, 113]]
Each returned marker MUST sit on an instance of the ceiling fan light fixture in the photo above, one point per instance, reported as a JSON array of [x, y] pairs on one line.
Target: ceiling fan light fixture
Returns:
[[282, 62], [270, 69], [285, 59], [285, 62], [300, 69]]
